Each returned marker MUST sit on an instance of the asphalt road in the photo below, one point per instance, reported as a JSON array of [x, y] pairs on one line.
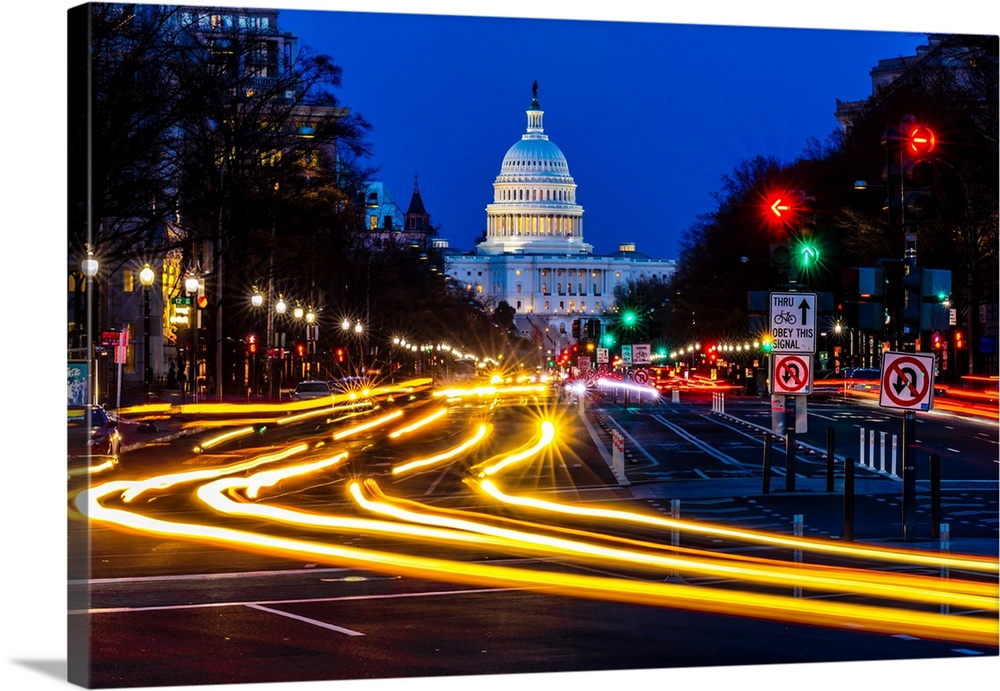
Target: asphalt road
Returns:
[[170, 609]]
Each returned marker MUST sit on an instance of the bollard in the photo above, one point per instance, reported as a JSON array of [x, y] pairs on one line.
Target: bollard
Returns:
[[829, 459], [767, 463], [861, 449], [894, 456], [935, 472], [871, 449], [881, 452], [849, 499]]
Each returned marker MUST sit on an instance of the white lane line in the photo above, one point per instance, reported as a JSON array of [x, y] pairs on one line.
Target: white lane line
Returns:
[[715, 453], [341, 598], [307, 620]]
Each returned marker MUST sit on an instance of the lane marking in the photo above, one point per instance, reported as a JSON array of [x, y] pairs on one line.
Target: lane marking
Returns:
[[307, 620], [342, 598]]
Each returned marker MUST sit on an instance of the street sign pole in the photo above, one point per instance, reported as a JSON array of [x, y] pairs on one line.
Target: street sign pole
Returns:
[[909, 475], [790, 460]]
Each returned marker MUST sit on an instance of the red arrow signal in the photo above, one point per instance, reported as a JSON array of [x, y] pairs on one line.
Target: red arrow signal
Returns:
[[777, 207]]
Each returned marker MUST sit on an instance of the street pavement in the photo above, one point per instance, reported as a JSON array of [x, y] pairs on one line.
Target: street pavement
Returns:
[[877, 500]]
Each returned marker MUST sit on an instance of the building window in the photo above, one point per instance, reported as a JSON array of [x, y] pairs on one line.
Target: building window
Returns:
[[546, 305], [479, 288], [518, 304], [518, 289], [545, 290], [129, 281], [372, 222]]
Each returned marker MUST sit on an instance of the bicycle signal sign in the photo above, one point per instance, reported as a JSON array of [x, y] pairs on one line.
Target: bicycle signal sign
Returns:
[[907, 381], [792, 374], [793, 322]]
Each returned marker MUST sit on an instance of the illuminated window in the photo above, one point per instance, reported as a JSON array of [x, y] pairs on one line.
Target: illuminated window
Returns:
[[373, 222], [129, 278]]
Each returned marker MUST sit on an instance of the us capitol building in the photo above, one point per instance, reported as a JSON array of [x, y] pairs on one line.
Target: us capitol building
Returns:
[[533, 255]]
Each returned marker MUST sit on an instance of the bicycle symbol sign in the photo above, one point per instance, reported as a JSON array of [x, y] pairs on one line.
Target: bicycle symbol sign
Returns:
[[793, 322]]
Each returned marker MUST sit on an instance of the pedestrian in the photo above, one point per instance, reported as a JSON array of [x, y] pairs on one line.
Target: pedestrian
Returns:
[[171, 376]]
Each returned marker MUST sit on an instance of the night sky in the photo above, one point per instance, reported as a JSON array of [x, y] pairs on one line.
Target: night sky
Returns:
[[649, 115]]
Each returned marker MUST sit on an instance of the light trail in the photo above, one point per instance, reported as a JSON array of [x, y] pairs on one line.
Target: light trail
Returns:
[[421, 463], [419, 424], [887, 620], [970, 562], [229, 491]]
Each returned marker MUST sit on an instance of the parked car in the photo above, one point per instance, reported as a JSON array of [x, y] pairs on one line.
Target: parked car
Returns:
[[92, 437], [306, 390]]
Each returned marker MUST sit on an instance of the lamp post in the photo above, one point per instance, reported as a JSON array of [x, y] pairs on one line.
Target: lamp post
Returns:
[[280, 308], [90, 266], [257, 300], [191, 286], [146, 277]]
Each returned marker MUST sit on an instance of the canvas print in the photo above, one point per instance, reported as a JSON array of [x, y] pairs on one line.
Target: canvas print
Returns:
[[416, 346]]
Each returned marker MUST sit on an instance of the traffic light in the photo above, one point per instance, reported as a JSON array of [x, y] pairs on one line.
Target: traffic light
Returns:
[[959, 340], [864, 297], [300, 348], [340, 354], [918, 173], [936, 341], [781, 254], [806, 254], [927, 304], [576, 329], [788, 208], [593, 329], [629, 318], [252, 344], [767, 344], [909, 172], [608, 339]]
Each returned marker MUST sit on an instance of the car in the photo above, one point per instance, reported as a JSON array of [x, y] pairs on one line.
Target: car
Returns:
[[92, 437], [311, 389]]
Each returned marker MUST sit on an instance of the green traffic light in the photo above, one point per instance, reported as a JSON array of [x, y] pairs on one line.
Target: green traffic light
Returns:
[[608, 340], [628, 318], [808, 255]]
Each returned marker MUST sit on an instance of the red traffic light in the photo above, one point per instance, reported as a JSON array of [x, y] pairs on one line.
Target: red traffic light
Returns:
[[341, 354], [787, 207], [920, 140]]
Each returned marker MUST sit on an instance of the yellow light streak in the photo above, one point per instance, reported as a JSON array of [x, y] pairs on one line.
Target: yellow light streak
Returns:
[[481, 391], [972, 630], [372, 424], [161, 482], [226, 436], [445, 455], [971, 562], [269, 478], [548, 434], [831, 581], [436, 415]]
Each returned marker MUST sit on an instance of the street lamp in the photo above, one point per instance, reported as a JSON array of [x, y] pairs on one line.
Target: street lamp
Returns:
[[146, 277], [90, 266], [191, 286]]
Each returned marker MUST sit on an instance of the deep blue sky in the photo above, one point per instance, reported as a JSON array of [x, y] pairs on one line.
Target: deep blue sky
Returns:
[[649, 115]]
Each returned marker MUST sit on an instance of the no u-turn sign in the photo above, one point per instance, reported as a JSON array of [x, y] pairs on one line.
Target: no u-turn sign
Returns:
[[907, 381]]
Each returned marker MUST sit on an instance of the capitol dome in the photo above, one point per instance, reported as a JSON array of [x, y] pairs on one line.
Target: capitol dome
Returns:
[[534, 207], [535, 156]]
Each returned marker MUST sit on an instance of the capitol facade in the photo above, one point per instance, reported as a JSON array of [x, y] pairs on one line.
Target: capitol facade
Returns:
[[533, 255]]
